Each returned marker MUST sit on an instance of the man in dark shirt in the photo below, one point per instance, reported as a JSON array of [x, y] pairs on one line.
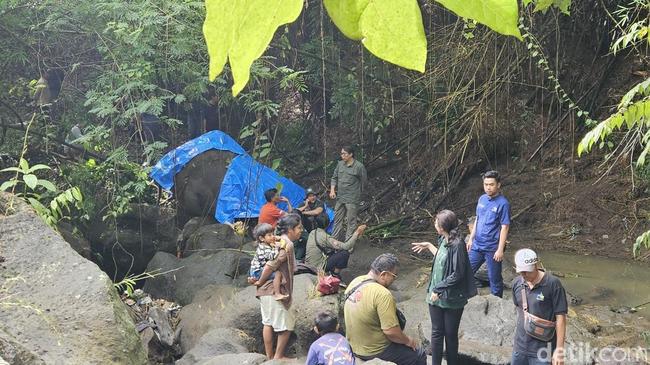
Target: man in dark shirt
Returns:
[[546, 299], [348, 181], [310, 209]]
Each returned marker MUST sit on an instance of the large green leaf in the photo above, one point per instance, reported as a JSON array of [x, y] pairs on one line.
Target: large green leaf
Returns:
[[8, 184], [392, 30], [30, 180], [346, 14], [241, 30], [502, 16], [38, 167], [47, 185]]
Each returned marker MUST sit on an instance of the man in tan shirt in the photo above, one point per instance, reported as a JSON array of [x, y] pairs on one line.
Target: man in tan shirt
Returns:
[[371, 323]]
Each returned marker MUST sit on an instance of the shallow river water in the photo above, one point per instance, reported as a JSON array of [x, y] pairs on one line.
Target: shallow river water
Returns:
[[600, 280]]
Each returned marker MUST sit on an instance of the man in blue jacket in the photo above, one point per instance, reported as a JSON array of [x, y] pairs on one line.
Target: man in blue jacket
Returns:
[[488, 238]]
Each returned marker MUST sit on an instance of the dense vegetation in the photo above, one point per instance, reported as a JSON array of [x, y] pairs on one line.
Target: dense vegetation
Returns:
[[478, 97]]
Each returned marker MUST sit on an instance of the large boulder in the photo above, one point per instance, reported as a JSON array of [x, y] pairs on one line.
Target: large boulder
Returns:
[[208, 311], [216, 342], [211, 238], [197, 185], [239, 359], [227, 309], [190, 227], [180, 279], [62, 308]]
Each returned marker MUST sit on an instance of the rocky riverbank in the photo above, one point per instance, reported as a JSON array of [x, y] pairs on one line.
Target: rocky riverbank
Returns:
[[58, 307]]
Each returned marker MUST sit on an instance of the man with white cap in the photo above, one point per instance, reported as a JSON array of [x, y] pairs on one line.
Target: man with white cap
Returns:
[[541, 313]]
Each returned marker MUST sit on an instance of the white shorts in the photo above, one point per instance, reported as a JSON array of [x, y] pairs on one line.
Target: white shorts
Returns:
[[274, 314]]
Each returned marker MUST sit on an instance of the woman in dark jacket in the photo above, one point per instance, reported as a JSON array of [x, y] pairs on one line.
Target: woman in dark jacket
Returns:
[[450, 287]]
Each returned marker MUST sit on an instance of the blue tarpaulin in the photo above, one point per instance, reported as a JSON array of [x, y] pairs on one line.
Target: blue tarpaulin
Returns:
[[242, 189]]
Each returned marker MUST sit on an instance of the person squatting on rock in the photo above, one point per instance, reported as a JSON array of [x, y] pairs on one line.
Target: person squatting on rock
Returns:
[[277, 316], [270, 213], [488, 238], [539, 298], [268, 248], [371, 322], [331, 348], [450, 286], [328, 253], [348, 180]]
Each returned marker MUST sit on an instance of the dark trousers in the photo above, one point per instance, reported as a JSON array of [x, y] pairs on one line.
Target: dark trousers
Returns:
[[476, 259], [400, 355], [337, 260], [300, 247], [519, 358], [444, 325]]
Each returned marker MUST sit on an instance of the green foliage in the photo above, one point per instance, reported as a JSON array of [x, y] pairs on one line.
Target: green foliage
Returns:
[[39, 193], [502, 16], [240, 31], [631, 114], [633, 23], [544, 5], [641, 241], [374, 23], [262, 145], [347, 15], [633, 111], [635, 34], [127, 285]]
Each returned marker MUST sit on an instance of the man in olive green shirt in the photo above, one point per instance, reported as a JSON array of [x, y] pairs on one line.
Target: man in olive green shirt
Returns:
[[371, 323], [325, 251], [348, 181]]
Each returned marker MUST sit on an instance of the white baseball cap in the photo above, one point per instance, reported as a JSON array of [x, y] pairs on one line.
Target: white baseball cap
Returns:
[[525, 260]]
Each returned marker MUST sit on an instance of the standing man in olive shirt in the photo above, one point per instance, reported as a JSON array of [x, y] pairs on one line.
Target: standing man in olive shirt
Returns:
[[348, 181]]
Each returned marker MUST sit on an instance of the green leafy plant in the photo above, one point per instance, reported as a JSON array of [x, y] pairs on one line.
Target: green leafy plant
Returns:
[[35, 190], [28, 179], [641, 241], [127, 285], [630, 114], [633, 111], [634, 28]]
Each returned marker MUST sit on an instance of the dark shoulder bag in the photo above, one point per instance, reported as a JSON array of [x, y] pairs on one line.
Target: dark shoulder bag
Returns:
[[401, 318], [536, 327]]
